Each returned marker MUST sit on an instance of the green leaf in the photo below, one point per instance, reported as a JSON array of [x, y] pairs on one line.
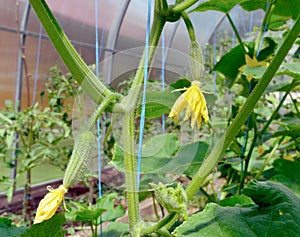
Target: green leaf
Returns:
[[118, 158], [161, 146], [287, 8], [199, 156], [288, 173], [112, 212], [276, 213], [236, 200], [289, 127], [89, 214], [158, 103], [256, 72], [48, 228], [277, 21], [83, 213], [282, 84], [116, 229], [188, 158], [181, 83], [289, 168], [291, 69], [104, 207], [265, 53], [252, 5], [230, 63], [156, 152], [9, 230], [267, 49], [218, 5], [291, 184]]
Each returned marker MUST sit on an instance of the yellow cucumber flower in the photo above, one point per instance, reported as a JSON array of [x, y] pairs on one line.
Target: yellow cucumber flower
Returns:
[[49, 204], [75, 171], [195, 104], [252, 62]]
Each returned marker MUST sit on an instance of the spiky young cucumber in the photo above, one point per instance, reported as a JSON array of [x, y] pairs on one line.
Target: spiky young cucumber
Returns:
[[196, 60], [82, 153]]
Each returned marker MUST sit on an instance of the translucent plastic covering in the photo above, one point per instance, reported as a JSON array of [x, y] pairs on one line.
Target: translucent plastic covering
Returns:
[[121, 26]]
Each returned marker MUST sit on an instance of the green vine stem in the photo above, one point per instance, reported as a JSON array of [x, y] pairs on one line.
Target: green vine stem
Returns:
[[213, 158], [164, 5], [236, 33], [178, 8], [158, 225], [275, 112], [81, 72], [109, 99], [295, 104], [257, 134], [130, 174], [131, 100], [129, 105], [189, 26], [269, 158], [247, 162], [211, 161], [264, 25]]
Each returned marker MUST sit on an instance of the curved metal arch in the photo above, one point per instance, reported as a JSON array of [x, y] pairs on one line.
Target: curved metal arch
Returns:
[[112, 39], [19, 78]]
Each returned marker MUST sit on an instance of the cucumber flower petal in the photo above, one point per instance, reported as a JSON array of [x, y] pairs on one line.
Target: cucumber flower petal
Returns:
[[195, 104], [49, 204], [252, 63]]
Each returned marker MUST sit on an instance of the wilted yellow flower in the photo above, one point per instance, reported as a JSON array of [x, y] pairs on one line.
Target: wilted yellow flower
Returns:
[[260, 150], [288, 157], [195, 104], [252, 62], [49, 204]]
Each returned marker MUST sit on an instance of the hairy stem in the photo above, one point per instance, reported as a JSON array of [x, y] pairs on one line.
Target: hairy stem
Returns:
[[131, 100], [130, 173], [129, 104]]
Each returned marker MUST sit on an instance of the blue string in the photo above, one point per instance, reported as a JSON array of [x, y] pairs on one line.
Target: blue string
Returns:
[[251, 22], [98, 121], [37, 63], [98, 51], [142, 121], [162, 76], [99, 157]]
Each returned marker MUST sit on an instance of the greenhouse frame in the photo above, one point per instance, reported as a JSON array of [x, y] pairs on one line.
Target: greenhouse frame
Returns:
[[149, 118]]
